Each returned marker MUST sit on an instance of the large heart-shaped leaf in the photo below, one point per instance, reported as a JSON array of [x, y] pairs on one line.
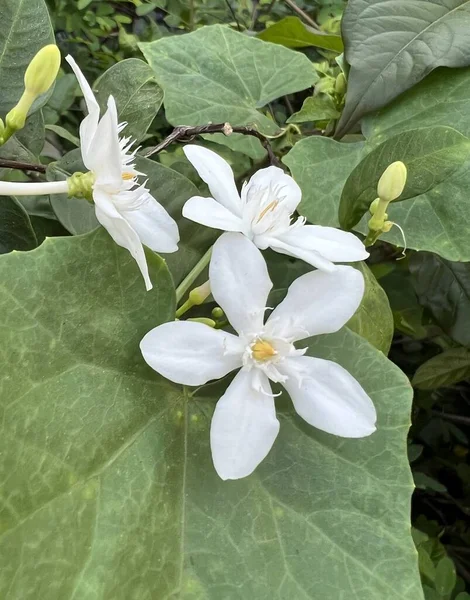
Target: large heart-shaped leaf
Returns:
[[108, 488], [136, 91], [431, 155], [292, 33], [218, 75], [393, 44], [25, 27]]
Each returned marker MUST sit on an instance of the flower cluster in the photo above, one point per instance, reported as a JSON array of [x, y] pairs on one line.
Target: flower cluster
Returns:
[[264, 346]]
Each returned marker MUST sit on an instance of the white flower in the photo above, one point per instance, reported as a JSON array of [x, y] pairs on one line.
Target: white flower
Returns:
[[244, 425], [127, 210], [263, 213]]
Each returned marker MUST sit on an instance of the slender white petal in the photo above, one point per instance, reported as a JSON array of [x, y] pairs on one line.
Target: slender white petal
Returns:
[[330, 243], [240, 281], [104, 153], [243, 428], [154, 226], [121, 232], [312, 257], [191, 353], [90, 122], [211, 213], [218, 175], [328, 397], [282, 187], [318, 303]]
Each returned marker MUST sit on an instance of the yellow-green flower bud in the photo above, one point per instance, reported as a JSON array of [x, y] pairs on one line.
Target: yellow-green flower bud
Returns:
[[393, 181], [198, 295], [218, 313], [204, 321], [340, 84], [42, 70]]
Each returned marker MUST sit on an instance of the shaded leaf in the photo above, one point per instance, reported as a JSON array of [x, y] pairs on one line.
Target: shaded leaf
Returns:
[[443, 288], [445, 369], [16, 231], [430, 154], [315, 108], [292, 33], [373, 319], [392, 44], [25, 27], [136, 91], [218, 75], [445, 577]]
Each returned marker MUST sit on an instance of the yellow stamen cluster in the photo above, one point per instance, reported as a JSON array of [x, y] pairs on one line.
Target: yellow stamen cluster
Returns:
[[262, 350], [127, 176]]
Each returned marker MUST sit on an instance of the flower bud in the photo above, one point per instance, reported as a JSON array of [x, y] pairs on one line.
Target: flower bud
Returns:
[[218, 313], [198, 295], [393, 181], [42, 70], [340, 84]]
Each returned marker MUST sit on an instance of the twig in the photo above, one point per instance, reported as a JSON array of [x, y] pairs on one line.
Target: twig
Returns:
[[22, 166], [187, 133], [302, 14], [227, 2]]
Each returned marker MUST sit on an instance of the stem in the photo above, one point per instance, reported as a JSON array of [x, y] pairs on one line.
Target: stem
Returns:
[[302, 14], [13, 188], [22, 166], [192, 275], [188, 132]]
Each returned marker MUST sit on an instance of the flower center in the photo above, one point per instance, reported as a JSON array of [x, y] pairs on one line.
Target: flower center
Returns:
[[127, 176], [262, 351]]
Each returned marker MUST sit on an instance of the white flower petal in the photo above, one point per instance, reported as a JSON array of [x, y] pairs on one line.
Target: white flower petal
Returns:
[[104, 153], [90, 122], [328, 397], [191, 353], [318, 303], [243, 428], [330, 243], [312, 257], [211, 213], [240, 281], [121, 232], [218, 175], [154, 226], [283, 187]]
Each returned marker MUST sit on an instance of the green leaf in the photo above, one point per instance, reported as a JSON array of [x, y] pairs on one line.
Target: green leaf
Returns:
[[424, 482], [315, 108], [218, 75], [25, 27], [108, 472], [443, 288], [63, 133], [463, 596], [321, 167], [445, 577], [16, 231], [136, 91], [26, 144], [445, 369], [373, 319], [77, 215], [393, 44], [430, 154], [292, 33]]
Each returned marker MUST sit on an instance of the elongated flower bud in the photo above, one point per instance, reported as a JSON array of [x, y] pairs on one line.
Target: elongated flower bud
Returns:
[[42, 70], [393, 181]]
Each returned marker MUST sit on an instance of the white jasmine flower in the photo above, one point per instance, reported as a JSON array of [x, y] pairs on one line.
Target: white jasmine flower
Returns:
[[263, 212], [244, 425], [126, 209]]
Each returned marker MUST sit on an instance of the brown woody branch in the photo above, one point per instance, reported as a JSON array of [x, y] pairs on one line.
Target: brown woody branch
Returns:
[[22, 166], [187, 133]]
